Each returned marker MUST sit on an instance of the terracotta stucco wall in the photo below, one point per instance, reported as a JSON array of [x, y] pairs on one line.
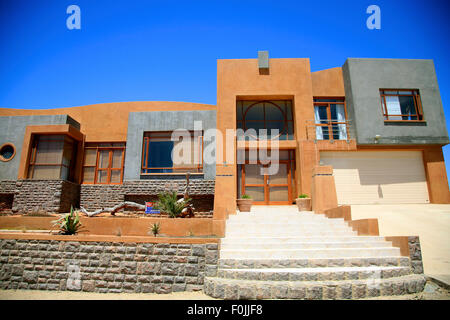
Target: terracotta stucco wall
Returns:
[[240, 79], [108, 121], [328, 83]]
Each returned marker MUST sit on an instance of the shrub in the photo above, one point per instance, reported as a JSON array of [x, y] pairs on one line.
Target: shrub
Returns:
[[245, 196], [69, 223], [155, 228], [169, 203], [302, 196]]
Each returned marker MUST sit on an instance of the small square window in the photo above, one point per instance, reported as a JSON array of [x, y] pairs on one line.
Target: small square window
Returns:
[[401, 105]]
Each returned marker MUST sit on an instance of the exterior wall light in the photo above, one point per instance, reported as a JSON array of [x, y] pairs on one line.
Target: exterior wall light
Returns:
[[377, 138]]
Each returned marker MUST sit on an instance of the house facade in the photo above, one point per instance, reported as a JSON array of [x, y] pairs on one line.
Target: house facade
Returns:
[[379, 123]]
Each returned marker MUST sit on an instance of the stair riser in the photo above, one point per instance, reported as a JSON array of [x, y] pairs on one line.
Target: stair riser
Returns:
[[287, 233], [287, 220], [301, 255], [285, 240], [284, 228], [356, 289], [313, 263], [273, 246], [314, 276]]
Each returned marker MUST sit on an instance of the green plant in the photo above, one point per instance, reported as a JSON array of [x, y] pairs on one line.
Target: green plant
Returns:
[[69, 223], [169, 203], [245, 196], [302, 196], [155, 228]]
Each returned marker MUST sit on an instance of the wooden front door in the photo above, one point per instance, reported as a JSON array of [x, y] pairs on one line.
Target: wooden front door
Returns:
[[267, 187]]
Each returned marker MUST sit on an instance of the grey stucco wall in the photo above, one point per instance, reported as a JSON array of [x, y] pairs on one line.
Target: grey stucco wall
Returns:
[[363, 79], [140, 122], [12, 130]]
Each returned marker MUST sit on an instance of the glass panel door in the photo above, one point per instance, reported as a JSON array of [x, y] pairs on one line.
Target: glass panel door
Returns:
[[254, 182], [278, 185], [265, 188]]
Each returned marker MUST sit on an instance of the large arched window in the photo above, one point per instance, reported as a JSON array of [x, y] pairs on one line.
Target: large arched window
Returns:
[[266, 115]]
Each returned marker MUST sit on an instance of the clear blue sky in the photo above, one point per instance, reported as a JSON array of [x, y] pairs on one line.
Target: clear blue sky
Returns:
[[167, 50]]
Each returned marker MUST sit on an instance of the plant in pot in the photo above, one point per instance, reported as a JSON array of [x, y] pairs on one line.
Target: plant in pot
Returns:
[[303, 202], [245, 203]]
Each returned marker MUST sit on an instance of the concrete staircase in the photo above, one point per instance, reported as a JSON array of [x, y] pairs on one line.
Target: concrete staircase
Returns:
[[280, 253]]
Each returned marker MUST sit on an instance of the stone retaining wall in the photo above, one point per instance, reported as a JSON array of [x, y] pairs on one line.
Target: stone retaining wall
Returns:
[[105, 266], [415, 254]]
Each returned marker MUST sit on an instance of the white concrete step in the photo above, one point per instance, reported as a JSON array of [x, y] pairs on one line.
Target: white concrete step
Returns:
[[283, 230], [289, 233], [308, 253], [302, 245], [290, 222], [295, 239]]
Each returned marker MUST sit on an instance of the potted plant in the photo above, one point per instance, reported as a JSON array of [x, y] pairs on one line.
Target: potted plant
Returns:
[[303, 202], [245, 203]]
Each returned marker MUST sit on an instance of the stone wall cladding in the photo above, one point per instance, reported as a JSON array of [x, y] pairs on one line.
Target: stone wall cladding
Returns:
[[93, 197], [58, 195], [415, 254], [106, 266], [49, 195]]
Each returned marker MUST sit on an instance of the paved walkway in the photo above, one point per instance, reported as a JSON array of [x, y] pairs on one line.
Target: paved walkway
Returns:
[[73, 295], [431, 222]]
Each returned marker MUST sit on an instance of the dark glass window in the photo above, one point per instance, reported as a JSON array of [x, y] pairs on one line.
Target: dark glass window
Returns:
[[6, 152], [274, 114], [158, 154], [401, 105]]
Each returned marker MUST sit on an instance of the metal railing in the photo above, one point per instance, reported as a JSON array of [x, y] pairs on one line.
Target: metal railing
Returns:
[[330, 130]]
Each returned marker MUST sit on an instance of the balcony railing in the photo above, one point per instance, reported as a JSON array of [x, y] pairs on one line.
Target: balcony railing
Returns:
[[330, 130]]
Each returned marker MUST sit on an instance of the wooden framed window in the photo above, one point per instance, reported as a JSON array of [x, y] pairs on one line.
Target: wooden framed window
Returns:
[[331, 119], [52, 157], [401, 105], [161, 154], [103, 163], [274, 114]]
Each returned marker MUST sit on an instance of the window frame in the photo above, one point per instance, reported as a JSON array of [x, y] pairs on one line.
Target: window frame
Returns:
[[97, 157], [327, 104], [34, 150], [168, 135], [417, 105]]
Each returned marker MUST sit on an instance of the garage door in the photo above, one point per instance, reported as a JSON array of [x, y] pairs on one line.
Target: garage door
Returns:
[[378, 177]]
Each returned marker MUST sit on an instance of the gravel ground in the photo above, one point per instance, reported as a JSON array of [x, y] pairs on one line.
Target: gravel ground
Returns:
[[432, 291]]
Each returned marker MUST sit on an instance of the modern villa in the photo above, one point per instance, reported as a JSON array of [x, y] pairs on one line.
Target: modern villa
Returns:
[[378, 122], [368, 132]]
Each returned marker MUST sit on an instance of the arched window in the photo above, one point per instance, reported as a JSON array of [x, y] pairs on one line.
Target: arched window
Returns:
[[267, 115]]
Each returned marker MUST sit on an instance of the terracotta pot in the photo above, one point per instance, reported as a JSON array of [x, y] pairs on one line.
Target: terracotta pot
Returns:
[[303, 204], [244, 205]]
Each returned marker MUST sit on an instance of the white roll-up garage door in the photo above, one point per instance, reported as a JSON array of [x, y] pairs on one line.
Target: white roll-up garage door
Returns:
[[378, 177]]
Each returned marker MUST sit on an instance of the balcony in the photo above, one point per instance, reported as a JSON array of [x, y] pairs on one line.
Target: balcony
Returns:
[[330, 130]]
